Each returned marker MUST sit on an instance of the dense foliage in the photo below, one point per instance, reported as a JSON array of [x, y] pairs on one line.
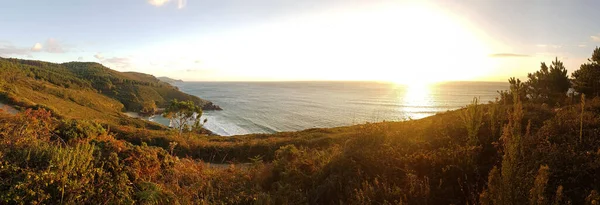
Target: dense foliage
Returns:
[[548, 84], [587, 79], [184, 115]]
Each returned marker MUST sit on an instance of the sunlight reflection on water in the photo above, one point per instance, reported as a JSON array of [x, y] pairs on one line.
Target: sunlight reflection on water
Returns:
[[416, 101]]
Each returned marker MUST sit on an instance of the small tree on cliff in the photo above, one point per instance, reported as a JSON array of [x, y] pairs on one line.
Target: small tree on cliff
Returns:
[[184, 115]]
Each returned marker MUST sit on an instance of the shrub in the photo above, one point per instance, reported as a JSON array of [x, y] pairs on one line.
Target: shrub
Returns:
[[78, 130]]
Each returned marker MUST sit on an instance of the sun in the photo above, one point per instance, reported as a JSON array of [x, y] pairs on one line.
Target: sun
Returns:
[[430, 46], [405, 42]]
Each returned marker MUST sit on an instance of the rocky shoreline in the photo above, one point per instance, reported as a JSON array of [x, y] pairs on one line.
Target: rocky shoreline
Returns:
[[211, 106]]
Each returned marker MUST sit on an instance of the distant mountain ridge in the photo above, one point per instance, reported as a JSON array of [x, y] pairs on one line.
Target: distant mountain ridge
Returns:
[[87, 84], [169, 80]]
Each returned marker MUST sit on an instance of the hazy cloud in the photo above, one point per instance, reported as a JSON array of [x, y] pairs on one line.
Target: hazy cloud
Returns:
[[37, 47], [548, 46], [53, 46], [118, 62], [197, 61], [114, 61], [180, 3], [158, 2], [80, 58], [595, 38], [9, 49], [582, 46], [508, 55], [99, 56]]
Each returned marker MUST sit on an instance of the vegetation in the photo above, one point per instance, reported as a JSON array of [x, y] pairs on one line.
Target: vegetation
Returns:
[[82, 82], [547, 85], [516, 150], [586, 80], [184, 115]]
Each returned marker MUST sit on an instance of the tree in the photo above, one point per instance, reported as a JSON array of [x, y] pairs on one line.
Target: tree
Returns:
[[184, 115], [517, 92], [587, 79], [548, 85]]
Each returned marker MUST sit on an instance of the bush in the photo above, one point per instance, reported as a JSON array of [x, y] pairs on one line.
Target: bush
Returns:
[[79, 130]]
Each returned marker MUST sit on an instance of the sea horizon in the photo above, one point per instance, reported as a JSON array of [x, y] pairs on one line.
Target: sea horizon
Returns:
[[278, 106]]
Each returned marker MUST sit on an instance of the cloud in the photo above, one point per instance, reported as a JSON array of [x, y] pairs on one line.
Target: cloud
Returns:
[[582, 46], [54, 46], [99, 56], [158, 3], [114, 61], [181, 4], [204, 71], [37, 47], [51, 46], [80, 58], [508, 55], [118, 62], [197, 61], [548, 46], [595, 38], [9, 49]]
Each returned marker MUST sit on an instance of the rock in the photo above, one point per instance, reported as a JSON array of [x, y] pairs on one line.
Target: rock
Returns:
[[211, 106]]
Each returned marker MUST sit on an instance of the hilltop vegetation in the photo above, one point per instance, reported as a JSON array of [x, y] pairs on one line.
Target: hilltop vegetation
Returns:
[[80, 81], [537, 144]]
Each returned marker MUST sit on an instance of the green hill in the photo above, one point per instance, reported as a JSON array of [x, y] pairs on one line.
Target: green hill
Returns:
[[81, 89]]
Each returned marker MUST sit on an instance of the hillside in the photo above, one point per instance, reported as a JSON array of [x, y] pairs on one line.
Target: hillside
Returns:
[[428, 161], [83, 84], [533, 145], [169, 80]]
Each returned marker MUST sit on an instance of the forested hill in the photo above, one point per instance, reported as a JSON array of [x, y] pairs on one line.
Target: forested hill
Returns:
[[135, 92]]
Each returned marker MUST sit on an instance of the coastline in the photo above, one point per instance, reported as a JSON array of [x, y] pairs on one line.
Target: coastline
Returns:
[[271, 107], [157, 118]]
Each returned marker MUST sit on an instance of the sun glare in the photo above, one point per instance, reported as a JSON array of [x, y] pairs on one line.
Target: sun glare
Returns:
[[416, 100], [432, 46], [407, 43]]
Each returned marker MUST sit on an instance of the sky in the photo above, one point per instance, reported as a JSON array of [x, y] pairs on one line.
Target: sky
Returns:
[[265, 40]]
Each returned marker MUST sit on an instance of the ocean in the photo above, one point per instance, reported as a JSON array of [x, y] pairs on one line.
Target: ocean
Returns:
[[268, 107]]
